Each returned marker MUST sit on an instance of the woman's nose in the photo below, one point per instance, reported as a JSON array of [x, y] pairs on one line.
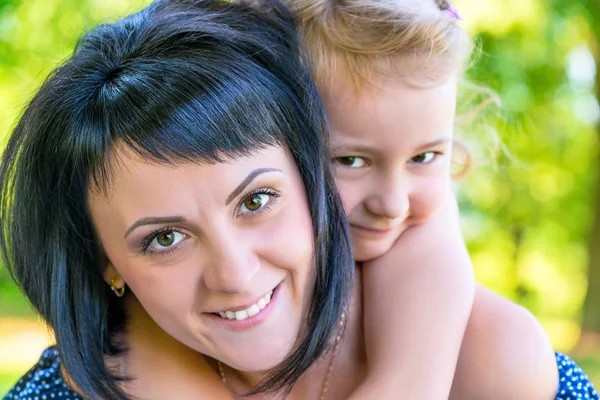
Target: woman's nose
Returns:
[[231, 265]]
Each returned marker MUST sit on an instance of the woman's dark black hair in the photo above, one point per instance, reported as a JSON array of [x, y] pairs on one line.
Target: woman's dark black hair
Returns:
[[179, 81]]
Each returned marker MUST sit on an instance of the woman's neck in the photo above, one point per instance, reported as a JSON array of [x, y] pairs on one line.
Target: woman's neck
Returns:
[[349, 364], [162, 367], [349, 367]]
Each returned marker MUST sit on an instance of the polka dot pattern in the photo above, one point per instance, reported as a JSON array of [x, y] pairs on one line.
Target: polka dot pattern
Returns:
[[573, 382], [43, 382]]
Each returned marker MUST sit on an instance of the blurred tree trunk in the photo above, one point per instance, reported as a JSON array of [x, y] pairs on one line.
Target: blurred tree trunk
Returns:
[[521, 291], [590, 337]]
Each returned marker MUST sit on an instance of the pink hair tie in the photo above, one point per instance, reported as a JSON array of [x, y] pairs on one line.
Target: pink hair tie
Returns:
[[454, 12]]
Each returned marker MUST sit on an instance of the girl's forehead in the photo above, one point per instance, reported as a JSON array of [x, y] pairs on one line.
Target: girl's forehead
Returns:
[[392, 99], [393, 120]]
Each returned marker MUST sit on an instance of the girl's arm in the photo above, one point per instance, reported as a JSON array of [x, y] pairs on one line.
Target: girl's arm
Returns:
[[505, 354], [417, 301]]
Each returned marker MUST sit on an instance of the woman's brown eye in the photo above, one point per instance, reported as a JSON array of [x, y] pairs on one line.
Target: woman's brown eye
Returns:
[[255, 202], [166, 239]]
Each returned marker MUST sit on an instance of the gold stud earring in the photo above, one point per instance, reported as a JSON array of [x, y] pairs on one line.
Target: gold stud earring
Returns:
[[119, 292]]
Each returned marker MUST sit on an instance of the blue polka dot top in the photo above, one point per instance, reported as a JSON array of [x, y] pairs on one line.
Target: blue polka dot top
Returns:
[[573, 383], [44, 381]]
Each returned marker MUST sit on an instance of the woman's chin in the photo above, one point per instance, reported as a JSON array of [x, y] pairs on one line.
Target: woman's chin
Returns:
[[259, 361]]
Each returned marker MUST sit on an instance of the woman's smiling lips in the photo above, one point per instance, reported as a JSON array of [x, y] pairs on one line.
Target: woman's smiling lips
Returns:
[[245, 317], [243, 312]]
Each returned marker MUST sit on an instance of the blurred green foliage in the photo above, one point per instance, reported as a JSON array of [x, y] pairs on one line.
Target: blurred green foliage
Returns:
[[527, 208], [528, 211]]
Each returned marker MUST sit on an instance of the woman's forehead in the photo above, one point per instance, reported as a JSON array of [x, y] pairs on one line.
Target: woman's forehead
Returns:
[[133, 175], [125, 162]]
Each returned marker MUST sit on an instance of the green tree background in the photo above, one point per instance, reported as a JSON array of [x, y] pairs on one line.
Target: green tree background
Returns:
[[530, 205]]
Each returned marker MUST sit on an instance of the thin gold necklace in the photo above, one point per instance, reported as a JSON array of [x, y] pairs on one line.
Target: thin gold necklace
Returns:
[[336, 345]]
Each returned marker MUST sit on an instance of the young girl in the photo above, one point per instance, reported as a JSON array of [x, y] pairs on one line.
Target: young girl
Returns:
[[388, 73]]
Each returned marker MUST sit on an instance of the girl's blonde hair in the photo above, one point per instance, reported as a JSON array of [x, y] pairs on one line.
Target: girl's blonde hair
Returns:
[[353, 40]]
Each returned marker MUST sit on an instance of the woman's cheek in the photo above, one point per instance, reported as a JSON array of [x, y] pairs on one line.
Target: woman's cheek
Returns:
[[286, 238], [165, 286]]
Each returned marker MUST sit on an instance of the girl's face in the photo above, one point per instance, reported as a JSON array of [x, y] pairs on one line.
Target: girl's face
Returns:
[[220, 256], [391, 147]]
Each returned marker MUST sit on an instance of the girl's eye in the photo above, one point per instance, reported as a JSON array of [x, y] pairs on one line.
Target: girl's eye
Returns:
[[423, 158], [351, 161], [165, 239]]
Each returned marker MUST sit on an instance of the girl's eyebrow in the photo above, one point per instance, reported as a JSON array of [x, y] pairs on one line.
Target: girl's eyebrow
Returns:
[[350, 148], [434, 143]]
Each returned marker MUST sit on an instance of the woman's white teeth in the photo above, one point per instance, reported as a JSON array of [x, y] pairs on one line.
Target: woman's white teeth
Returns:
[[261, 304], [241, 315], [250, 311]]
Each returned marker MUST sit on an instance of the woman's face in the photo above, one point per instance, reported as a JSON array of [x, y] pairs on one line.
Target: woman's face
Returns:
[[220, 256]]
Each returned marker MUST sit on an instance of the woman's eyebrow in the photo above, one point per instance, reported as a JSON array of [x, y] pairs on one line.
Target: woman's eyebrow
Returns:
[[180, 220], [247, 181], [155, 221]]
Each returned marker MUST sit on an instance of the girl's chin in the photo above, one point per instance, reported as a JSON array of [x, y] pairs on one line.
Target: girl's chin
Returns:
[[364, 252]]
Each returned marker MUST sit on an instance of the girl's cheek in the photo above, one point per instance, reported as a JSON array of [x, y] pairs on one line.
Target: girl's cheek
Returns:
[[428, 198], [351, 195]]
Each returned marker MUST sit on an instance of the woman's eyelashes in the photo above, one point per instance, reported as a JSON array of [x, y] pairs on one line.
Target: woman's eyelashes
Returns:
[[257, 202], [163, 241], [168, 240]]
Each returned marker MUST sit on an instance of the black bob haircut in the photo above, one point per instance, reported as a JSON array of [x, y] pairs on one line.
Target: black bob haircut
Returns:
[[179, 81]]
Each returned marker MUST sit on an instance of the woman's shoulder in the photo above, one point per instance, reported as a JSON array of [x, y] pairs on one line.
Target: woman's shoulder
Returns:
[[43, 381]]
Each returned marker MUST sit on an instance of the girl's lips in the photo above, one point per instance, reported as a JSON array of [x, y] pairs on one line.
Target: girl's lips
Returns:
[[249, 322], [371, 231]]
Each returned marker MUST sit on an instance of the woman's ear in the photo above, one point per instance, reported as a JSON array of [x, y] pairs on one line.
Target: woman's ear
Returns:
[[114, 279]]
